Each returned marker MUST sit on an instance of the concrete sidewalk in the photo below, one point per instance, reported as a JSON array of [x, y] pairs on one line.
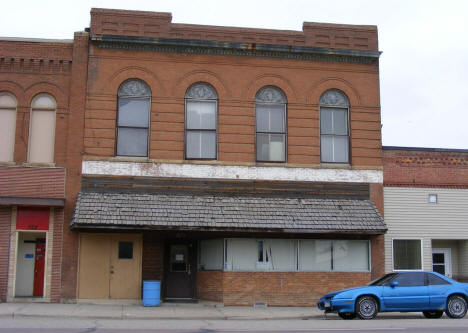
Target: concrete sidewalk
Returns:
[[202, 310], [165, 311]]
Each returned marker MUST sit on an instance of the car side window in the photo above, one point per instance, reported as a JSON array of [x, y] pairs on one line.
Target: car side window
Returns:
[[434, 280], [413, 279]]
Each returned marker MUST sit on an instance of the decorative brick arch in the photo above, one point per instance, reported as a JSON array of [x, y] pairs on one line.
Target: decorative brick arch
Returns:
[[270, 80], [134, 72], [16, 90], [190, 78], [318, 89], [61, 99]]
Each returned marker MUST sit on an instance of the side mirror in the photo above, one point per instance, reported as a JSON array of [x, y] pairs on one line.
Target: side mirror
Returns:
[[393, 284]]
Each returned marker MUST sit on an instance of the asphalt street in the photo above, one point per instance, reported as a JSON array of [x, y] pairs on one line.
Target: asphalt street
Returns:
[[382, 325]]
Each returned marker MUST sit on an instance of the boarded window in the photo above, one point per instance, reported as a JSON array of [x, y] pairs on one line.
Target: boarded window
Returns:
[[7, 126], [407, 254], [42, 129]]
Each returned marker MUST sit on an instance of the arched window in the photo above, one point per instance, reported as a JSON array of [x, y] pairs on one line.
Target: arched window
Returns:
[[7, 126], [133, 118], [42, 129], [201, 113], [270, 113], [334, 128]]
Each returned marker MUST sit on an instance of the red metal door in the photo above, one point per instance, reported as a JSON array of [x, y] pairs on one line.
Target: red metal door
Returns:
[[39, 268]]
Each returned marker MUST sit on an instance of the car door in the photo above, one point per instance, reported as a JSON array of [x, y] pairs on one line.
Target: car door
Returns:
[[406, 291], [438, 289]]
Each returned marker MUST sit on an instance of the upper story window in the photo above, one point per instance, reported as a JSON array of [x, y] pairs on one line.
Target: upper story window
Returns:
[[42, 129], [133, 118], [334, 128], [201, 112], [270, 113], [7, 126]]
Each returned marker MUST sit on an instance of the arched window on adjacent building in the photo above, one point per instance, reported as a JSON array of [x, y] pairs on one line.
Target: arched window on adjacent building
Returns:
[[334, 127], [270, 113], [201, 114], [133, 118], [42, 129], [7, 126]]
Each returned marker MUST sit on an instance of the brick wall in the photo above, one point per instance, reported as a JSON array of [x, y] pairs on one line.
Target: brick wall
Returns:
[[285, 288], [210, 285], [5, 223], [425, 168], [152, 261]]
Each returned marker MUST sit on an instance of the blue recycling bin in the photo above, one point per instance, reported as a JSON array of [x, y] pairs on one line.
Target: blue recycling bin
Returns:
[[151, 293]]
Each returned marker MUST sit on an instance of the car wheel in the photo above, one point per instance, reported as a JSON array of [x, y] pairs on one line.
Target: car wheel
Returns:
[[366, 307], [347, 315], [456, 307], [433, 314]]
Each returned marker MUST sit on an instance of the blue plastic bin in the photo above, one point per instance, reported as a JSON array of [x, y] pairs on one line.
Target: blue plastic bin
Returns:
[[151, 293]]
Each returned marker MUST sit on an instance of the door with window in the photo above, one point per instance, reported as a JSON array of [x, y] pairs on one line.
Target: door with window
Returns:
[[180, 270], [441, 262], [110, 266]]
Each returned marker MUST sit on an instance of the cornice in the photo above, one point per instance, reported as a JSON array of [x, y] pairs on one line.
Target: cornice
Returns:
[[206, 47]]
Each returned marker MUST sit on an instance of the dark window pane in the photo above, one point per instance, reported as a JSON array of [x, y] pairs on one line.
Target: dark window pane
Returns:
[[438, 258], [201, 144], [132, 142], [410, 279], [179, 258], [439, 269], [125, 250], [201, 115], [434, 280], [133, 112], [407, 254]]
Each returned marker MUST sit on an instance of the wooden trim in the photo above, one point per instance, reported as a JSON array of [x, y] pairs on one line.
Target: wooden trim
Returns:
[[24, 201]]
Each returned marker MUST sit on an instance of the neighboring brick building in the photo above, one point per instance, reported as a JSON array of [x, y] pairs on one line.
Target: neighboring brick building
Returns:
[[235, 165], [426, 210]]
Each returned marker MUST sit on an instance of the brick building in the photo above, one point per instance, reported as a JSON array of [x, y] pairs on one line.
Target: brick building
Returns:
[[426, 211], [234, 165]]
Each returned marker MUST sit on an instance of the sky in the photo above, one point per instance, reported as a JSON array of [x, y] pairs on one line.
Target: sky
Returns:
[[423, 67]]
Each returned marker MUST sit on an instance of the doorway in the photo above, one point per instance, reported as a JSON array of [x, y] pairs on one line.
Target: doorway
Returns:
[[110, 266], [30, 264], [441, 261], [180, 272]]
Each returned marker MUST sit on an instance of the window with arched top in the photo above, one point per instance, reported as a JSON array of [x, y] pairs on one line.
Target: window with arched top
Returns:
[[270, 124], [133, 118], [201, 114], [334, 127], [42, 129], [7, 126]]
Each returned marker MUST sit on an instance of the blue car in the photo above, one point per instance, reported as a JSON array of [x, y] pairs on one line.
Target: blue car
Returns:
[[429, 292]]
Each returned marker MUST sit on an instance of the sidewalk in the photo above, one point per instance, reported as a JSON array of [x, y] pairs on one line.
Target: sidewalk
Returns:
[[165, 311], [202, 310]]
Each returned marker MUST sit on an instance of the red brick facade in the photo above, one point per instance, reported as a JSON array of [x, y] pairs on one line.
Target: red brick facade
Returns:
[[421, 167], [84, 75]]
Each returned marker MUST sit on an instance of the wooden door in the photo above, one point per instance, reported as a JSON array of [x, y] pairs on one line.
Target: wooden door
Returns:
[[93, 281], [38, 288], [125, 266], [180, 270], [110, 266]]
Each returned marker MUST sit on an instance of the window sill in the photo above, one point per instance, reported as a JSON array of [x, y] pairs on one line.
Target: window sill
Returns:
[[7, 163], [336, 165], [41, 165]]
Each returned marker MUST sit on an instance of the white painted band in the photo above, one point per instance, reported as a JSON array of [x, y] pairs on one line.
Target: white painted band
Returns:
[[144, 169]]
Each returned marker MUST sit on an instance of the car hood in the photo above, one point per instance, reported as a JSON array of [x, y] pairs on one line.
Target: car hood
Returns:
[[330, 295]]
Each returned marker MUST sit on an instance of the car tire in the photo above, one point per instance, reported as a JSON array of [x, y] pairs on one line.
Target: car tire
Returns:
[[433, 314], [366, 307], [456, 307], [347, 315]]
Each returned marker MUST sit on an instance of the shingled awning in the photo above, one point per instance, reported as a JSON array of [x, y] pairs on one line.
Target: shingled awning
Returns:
[[218, 212]]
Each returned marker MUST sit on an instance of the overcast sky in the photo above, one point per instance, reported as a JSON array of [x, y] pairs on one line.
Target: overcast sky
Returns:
[[423, 68]]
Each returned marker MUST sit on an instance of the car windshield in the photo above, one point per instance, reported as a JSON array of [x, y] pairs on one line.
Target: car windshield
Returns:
[[382, 280]]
